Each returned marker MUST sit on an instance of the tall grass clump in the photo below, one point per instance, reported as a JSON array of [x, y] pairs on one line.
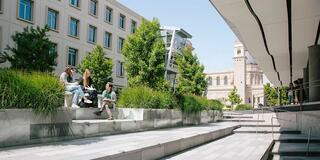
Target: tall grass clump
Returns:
[[41, 92], [144, 97], [242, 107]]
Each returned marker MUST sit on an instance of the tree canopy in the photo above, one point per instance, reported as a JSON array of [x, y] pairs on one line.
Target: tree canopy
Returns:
[[234, 97], [99, 66], [32, 50], [144, 54], [191, 77]]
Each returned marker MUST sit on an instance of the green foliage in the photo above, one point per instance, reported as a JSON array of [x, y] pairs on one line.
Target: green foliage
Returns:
[[40, 91], [271, 94], [145, 97], [100, 67], [144, 54], [192, 104], [215, 105], [234, 97], [243, 107], [191, 79], [32, 50]]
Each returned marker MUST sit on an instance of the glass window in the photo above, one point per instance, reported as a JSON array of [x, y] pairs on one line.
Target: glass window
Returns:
[[72, 56], [107, 39], [53, 49], [225, 80], [109, 14], [93, 7], [74, 27], [92, 36], [0, 6], [238, 51], [209, 81], [25, 10], [120, 44], [52, 19], [218, 81], [122, 21], [133, 26], [120, 69], [74, 3]]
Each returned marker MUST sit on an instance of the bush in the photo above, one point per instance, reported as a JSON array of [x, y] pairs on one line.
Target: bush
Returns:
[[39, 91], [144, 97], [243, 107], [191, 103]]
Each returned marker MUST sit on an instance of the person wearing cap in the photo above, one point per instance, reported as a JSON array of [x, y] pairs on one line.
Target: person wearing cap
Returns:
[[109, 101], [66, 78]]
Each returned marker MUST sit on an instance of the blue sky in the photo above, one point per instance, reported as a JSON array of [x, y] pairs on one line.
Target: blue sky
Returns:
[[212, 38]]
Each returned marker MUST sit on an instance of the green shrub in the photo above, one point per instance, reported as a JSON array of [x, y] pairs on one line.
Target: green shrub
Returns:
[[243, 107], [191, 103], [39, 91], [144, 97], [215, 105]]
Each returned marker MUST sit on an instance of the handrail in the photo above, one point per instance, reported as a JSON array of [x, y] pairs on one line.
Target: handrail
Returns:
[[308, 144]]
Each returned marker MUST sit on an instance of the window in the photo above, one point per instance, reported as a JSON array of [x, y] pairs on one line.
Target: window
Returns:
[[133, 26], [25, 9], [122, 21], [209, 81], [218, 81], [238, 51], [75, 3], [52, 19], [53, 49], [107, 40], [109, 14], [120, 44], [92, 35], [1, 6], [74, 27], [225, 80], [120, 69], [72, 56], [93, 7]]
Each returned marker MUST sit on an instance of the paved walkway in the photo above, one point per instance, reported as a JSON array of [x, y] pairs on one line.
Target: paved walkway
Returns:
[[97, 147], [237, 146]]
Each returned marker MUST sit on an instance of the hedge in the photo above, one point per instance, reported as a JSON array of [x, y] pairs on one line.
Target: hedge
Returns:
[[242, 107], [144, 97], [41, 92]]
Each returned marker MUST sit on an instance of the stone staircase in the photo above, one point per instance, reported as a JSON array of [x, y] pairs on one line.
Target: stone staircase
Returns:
[[287, 144]]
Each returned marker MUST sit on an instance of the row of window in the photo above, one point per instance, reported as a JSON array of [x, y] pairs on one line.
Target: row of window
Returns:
[[73, 55], [26, 13], [218, 81]]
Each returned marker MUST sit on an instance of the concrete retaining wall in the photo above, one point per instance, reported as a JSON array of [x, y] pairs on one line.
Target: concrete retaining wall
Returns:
[[22, 126], [303, 121]]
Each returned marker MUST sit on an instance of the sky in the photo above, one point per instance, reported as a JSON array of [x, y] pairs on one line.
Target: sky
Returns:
[[212, 38]]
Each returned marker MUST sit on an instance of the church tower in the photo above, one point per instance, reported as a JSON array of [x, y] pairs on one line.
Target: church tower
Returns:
[[239, 59]]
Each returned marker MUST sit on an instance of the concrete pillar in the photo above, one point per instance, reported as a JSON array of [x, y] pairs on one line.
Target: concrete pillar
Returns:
[[314, 73], [306, 83]]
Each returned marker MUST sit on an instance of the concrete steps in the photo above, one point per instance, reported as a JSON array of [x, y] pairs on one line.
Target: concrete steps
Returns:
[[142, 145], [295, 149], [241, 120], [295, 138], [278, 157], [264, 130], [236, 116]]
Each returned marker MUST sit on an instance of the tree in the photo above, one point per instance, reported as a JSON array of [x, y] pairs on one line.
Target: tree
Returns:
[[234, 97], [32, 50], [100, 67], [271, 95], [191, 79], [144, 54]]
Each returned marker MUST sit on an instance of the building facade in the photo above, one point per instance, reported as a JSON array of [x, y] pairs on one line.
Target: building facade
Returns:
[[76, 26], [246, 77], [175, 40]]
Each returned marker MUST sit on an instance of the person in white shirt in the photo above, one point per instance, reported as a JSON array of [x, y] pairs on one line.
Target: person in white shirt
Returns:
[[72, 86]]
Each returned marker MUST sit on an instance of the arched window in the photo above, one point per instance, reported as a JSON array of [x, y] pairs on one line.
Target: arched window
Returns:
[[218, 81], [225, 80]]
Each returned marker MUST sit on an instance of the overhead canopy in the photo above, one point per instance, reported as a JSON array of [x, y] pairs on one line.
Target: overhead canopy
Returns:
[[276, 32]]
